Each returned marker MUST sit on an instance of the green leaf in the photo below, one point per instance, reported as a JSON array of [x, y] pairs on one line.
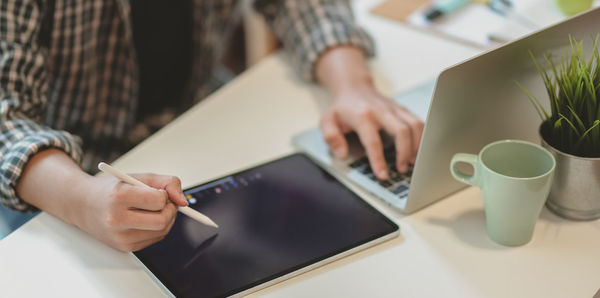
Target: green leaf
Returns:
[[572, 83], [577, 119], [570, 124], [584, 135], [536, 103]]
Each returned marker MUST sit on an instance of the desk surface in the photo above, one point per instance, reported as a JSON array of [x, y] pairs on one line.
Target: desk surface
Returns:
[[443, 250]]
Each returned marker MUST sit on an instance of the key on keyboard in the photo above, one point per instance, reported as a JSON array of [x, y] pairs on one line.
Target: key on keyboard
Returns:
[[397, 184]]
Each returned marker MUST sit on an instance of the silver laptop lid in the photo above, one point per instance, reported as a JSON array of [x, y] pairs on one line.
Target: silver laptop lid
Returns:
[[477, 102]]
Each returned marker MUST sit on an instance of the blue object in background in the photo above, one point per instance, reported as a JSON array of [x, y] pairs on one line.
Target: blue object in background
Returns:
[[443, 7], [10, 220]]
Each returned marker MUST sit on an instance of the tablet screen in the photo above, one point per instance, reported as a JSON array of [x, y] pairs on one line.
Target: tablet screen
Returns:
[[273, 219]]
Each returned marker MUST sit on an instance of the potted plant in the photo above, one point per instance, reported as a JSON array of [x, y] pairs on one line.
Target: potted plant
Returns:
[[571, 131]]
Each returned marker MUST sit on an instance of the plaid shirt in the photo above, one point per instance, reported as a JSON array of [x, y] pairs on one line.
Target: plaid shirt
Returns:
[[73, 85]]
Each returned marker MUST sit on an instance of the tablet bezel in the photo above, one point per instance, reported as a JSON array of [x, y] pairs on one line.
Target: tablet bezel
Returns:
[[301, 268]]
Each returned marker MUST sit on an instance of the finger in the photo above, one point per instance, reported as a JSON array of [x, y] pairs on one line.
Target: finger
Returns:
[[171, 184], [416, 127], [369, 137], [345, 128], [149, 220], [395, 127], [151, 237], [333, 135], [144, 198], [134, 236], [142, 244]]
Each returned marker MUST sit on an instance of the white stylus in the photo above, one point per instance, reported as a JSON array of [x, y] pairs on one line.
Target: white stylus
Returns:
[[106, 168]]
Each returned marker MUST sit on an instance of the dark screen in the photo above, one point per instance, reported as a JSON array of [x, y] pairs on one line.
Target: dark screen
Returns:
[[273, 219]]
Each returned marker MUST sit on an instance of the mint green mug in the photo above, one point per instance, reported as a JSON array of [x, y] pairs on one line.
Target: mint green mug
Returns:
[[515, 178]]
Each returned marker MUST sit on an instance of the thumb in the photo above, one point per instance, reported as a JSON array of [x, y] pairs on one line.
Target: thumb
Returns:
[[176, 194], [171, 184]]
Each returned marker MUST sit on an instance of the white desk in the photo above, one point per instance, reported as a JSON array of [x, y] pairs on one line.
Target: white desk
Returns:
[[443, 251]]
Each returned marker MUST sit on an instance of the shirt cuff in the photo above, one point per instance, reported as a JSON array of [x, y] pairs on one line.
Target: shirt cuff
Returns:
[[25, 139], [308, 28], [329, 36]]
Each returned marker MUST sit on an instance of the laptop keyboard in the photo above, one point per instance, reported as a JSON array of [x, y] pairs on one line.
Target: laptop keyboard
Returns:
[[398, 183]]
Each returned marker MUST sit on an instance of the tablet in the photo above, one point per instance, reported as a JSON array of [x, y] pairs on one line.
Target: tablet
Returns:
[[275, 221]]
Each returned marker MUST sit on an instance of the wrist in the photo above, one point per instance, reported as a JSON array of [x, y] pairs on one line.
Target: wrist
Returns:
[[53, 182], [343, 69], [74, 205], [351, 86]]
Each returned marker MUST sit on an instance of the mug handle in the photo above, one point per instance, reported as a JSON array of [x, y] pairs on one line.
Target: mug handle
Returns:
[[460, 176]]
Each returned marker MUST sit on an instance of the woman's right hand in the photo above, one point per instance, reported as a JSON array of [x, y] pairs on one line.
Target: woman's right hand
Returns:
[[124, 216], [129, 217]]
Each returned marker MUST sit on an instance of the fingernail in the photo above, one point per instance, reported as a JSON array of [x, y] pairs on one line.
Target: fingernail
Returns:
[[382, 174], [339, 151]]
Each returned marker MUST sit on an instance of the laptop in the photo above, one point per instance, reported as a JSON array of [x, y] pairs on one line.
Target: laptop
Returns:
[[466, 107]]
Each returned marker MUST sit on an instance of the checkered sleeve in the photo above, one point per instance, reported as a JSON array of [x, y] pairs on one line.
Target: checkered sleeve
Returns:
[[307, 28], [23, 87]]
